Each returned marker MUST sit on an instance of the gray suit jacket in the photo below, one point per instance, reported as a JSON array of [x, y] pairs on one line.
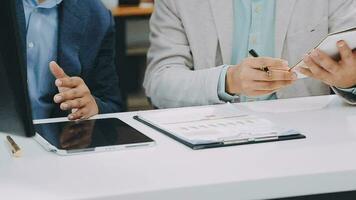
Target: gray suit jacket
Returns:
[[192, 39]]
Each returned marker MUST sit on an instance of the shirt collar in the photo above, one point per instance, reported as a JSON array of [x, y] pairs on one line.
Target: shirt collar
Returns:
[[47, 4]]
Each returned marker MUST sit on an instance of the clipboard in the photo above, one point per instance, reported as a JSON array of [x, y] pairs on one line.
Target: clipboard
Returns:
[[292, 136]]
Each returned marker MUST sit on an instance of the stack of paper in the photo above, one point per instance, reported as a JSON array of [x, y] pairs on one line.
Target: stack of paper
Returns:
[[204, 125]]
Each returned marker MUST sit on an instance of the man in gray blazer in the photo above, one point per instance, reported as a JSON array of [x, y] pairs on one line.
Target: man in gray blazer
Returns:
[[199, 48]]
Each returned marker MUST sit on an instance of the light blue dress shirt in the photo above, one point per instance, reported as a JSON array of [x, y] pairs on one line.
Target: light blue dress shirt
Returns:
[[254, 28], [41, 39]]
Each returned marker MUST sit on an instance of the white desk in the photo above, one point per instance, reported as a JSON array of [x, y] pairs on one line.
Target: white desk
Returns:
[[324, 162]]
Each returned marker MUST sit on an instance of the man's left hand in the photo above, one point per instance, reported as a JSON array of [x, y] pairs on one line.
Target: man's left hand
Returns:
[[341, 74], [73, 95]]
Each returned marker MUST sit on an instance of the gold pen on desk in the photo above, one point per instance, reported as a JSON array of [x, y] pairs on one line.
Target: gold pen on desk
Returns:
[[15, 149]]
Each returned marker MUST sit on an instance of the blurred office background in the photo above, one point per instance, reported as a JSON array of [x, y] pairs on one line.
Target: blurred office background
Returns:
[[132, 42]]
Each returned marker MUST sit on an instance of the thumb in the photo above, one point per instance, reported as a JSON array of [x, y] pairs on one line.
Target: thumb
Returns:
[[56, 70]]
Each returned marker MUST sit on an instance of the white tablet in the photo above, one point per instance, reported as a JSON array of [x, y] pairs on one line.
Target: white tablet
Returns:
[[97, 135], [328, 45]]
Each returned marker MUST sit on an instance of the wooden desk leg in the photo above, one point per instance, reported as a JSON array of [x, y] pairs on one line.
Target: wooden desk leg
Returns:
[[121, 57]]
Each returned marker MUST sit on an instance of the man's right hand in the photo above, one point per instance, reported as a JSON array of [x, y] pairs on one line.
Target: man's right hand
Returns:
[[248, 79], [73, 95]]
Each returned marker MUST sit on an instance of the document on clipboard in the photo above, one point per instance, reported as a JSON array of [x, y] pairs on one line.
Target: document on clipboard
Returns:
[[215, 126]]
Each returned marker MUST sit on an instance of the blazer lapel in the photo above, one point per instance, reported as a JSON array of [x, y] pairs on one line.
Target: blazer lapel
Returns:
[[224, 17], [72, 23], [284, 10]]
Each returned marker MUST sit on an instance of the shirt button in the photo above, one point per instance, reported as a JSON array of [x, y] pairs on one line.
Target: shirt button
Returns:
[[258, 9], [253, 41], [31, 45]]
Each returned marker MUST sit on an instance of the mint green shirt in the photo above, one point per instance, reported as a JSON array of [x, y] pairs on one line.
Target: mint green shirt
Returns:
[[254, 28]]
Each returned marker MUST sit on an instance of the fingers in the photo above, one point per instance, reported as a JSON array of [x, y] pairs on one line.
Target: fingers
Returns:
[[257, 88], [76, 97], [309, 73], [324, 61], [306, 72], [270, 86], [346, 53], [82, 113], [275, 64], [264, 88], [271, 63], [74, 104], [274, 75], [69, 82], [317, 71], [70, 94], [89, 110], [56, 70]]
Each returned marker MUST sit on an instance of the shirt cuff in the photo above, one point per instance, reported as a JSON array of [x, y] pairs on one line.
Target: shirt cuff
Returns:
[[348, 96], [223, 95], [348, 90]]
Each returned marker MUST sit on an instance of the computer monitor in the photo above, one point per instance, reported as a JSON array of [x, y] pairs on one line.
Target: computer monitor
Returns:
[[15, 109]]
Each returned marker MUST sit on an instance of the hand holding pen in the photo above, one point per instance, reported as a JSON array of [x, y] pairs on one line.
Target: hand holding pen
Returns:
[[258, 76]]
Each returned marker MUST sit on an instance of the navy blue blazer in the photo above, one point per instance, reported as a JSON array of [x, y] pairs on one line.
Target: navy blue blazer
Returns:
[[86, 48]]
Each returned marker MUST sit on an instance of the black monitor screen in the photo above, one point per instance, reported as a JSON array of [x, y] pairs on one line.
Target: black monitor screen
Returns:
[[15, 113]]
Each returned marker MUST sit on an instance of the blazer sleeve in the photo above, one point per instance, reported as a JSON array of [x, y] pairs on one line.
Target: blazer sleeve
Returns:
[[170, 79], [104, 80], [342, 15]]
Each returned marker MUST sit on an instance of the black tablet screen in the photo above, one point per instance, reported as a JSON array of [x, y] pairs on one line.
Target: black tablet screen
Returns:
[[88, 134]]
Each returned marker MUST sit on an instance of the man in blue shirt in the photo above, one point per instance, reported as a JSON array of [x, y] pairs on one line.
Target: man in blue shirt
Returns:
[[79, 36]]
